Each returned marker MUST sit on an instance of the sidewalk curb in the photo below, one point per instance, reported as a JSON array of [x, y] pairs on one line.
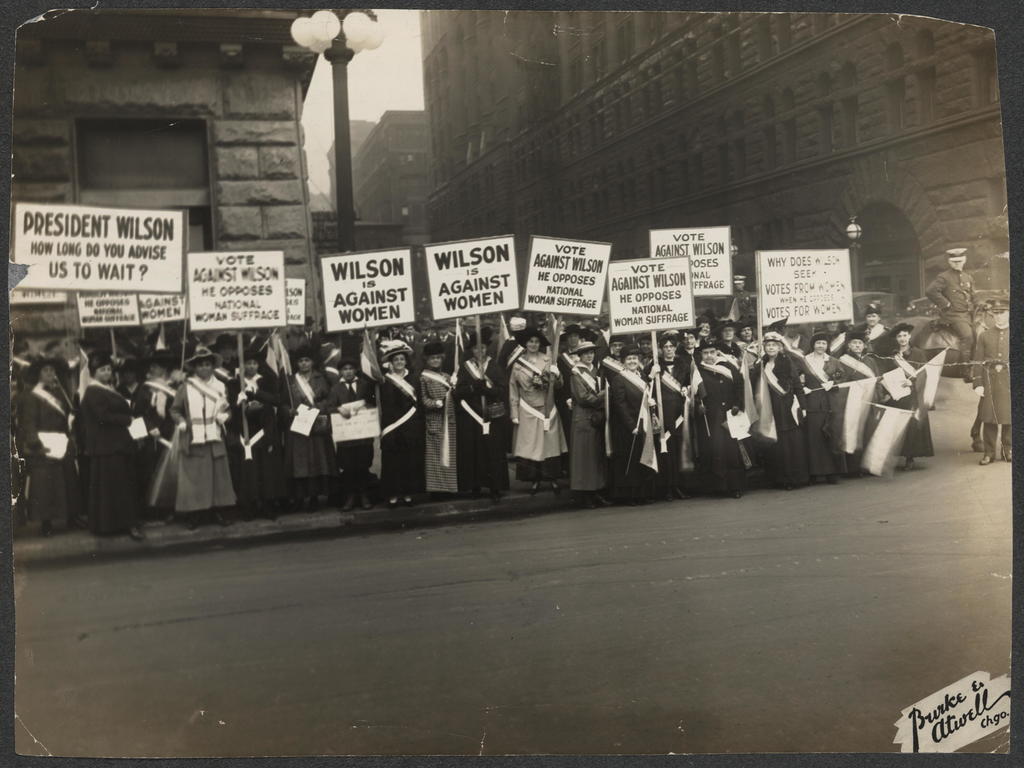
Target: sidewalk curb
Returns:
[[160, 537]]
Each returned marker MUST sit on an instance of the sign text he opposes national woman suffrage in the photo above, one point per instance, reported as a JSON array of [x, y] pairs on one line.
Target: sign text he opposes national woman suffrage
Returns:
[[649, 295], [472, 276], [236, 290]]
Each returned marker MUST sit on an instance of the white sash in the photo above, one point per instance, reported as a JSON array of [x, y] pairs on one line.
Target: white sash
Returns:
[[773, 382], [837, 343], [908, 369], [440, 378], [39, 391], [612, 364], [515, 354], [305, 389], [587, 379], [721, 370], [398, 422], [875, 332], [203, 421], [94, 383], [858, 365], [538, 415], [478, 372], [403, 386], [485, 426], [252, 385], [159, 386], [671, 382], [529, 366], [817, 368], [634, 379], [222, 373]]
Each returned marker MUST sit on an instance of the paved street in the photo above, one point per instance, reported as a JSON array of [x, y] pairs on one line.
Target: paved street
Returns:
[[800, 621]]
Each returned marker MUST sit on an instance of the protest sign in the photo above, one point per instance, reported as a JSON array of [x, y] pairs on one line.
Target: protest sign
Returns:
[[368, 289], [161, 307], [295, 292], [30, 296], [100, 310], [809, 286], [471, 277], [566, 276], [363, 424], [649, 295], [709, 250], [99, 249], [236, 290]]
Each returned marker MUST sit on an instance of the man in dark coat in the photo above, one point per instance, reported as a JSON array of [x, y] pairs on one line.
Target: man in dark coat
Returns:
[[992, 384]]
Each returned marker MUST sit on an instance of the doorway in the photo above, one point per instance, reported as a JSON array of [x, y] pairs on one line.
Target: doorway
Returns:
[[889, 257]]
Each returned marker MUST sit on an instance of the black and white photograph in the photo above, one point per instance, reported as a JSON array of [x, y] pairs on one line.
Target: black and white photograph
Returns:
[[508, 382]]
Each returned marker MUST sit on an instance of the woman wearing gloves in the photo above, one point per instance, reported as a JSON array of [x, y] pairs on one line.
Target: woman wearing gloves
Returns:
[[200, 410]]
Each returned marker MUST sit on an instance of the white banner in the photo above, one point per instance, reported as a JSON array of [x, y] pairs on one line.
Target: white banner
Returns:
[[295, 290], [236, 290], [566, 276], [99, 249], [29, 296], [709, 250], [362, 425], [161, 307], [472, 277], [811, 286], [368, 289], [99, 310], [649, 295]]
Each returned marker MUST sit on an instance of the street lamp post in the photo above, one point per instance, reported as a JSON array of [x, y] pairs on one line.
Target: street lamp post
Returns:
[[339, 40], [854, 231]]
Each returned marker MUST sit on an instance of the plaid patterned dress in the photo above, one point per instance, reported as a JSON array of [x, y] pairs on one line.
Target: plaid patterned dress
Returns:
[[440, 479]]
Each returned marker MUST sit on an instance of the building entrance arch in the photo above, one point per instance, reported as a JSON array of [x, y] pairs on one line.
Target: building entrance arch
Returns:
[[888, 258]]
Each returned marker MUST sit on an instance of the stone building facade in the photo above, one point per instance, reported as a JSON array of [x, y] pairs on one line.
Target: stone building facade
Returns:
[[603, 125], [167, 109]]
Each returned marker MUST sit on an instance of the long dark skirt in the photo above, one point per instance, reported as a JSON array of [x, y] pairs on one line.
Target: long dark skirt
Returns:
[[401, 472], [113, 493], [669, 477], [262, 478], [821, 460], [54, 492], [483, 461], [631, 480], [720, 467], [785, 460], [529, 471]]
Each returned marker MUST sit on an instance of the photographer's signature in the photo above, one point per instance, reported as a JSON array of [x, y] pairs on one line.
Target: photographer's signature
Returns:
[[956, 716]]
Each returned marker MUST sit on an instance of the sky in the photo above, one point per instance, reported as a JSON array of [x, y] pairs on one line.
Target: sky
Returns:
[[390, 77]]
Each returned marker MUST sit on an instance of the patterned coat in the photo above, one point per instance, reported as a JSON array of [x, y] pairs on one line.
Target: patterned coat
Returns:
[[440, 432]]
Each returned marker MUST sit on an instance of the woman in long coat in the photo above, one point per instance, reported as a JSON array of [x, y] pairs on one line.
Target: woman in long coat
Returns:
[[675, 377], [720, 465], [260, 481], [587, 460], [200, 411], [153, 404], [821, 372], [441, 440], [632, 482], [774, 379], [918, 439], [53, 490], [858, 366], [113, 483], [401, 435], [482, 421], [309, 459], [539, 442]]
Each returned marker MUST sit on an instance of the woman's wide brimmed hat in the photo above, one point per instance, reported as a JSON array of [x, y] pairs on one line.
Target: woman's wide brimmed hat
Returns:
[[393, 348], [586, 346], [774, 331], [202, 353], [59, 365], [526, 334], [432, 348], [901, 327], [305, 350]]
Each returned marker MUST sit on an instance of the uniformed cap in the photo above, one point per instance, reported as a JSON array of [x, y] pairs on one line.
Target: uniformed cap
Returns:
[[999, 305], [956, 253]]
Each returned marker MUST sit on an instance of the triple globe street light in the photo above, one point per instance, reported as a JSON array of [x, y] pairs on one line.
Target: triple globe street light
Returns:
[[339, 39]]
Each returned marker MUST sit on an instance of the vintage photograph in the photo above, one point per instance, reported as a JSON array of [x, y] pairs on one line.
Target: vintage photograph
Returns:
[[486, 382]]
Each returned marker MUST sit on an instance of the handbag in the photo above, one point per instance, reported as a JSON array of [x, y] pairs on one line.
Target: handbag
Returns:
[[321, 425], [496, 410]]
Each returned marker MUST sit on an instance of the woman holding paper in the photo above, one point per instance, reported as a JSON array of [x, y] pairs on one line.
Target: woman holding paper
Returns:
[[539, 442], [53, 491], [200, 410], [675, 377], [439, 422], [587, 461], [910, 359], [401, 434], [309, 446], [824, 402], [635, 444], [113, 482], [718, 395], [782, 422]]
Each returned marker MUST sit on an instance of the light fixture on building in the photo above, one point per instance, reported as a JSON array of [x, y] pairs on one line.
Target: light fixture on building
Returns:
[[734, 251], [339, 39], [854, 231]]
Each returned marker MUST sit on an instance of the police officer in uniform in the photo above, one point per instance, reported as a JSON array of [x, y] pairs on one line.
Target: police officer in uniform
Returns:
[[992, 384], [953, 293]]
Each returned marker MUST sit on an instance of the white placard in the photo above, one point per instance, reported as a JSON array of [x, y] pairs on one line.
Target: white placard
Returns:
[[649, 295], [472, 277], [566, 276], [811, 286], [295, 292], [84, 248], [368, 289], [709, 250], [304, 418], [161, 307], [100, 310], [30, 296], [362, 425], [55, 444], [234, 290], [137, 429]]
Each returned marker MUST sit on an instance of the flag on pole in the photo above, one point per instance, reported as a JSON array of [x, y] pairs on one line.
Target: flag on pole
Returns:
[[277, 356], [886, 441], [749, 402], [734, 311], [648, 456], [368, 362], [765, 427], [859, 395], [84, 377], [161, 340], [503, 332], [932, 374]]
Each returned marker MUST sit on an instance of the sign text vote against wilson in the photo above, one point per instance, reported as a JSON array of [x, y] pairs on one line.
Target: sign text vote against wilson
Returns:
[[811, 286], [365, 290], [235, 290], [649, 295], [99, 249], [709, 250], [566, 276], [471, 277]]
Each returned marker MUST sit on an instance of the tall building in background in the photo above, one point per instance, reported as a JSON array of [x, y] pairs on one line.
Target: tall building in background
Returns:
[[603, 125], [327, 200], [390, 174]]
